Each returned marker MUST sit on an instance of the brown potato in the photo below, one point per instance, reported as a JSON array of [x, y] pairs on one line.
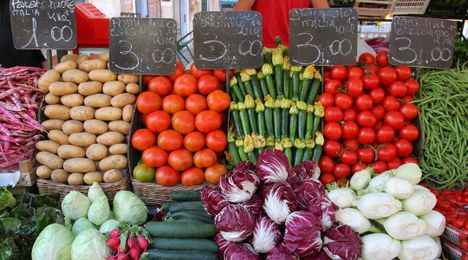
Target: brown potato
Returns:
[[47, 146], [50, 99], [110, 138], [108, 113], [72, 126], [92, 64], [52, 124], [43, 172], [70, 151], [122, 100], [48, 78], [96, 152], [65, 65], [90, 88], [60, 88], [95, 126], [72, 57], [50, 160], [57, 112], [128, 78], [76, 76], [132, 88], [72, 100], [113, 88], [127, 113], [82, 139], [58, 136], [120, 126], [91, 177], [82, 58], [81, 165], [75, 179], [104, 56], [113, 162], [81, 113], [118, 149], [102, 75], [112, 175], [59, 175], [97, 100]]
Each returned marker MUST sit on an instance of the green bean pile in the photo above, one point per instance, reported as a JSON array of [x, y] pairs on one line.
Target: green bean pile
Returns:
[[443, 105]]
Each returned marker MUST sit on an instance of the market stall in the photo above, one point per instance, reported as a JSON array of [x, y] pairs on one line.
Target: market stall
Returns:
[[314, 150]]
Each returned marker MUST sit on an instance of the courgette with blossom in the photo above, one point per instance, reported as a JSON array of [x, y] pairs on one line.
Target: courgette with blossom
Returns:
[[259, 143], [250, 107], [249, 148], [244, 118], [318, 146], [245, 78], [287, 145], [259, 109], [267, 71], [309, 122], [285, 106], [232, 154], [299, 145], [269, 105], [263, 86], [309, 149], [277, 60], [236, 118], [301, 118], [277, 120], [235, 90], [240, 149], [286, 79], [293, 111], [240, 83], [295, 74], [314, 87], [257, 90], [318, 115], [307, 76]]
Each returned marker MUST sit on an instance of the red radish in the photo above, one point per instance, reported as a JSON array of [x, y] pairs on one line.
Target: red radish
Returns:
[[131, 241], [114, 233], [142, 242], [113, 257], [134, 253], [122, 256], [113, 242]]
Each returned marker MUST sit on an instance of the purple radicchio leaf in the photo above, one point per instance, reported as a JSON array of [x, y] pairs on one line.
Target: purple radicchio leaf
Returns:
[[254, 205], [212, 200], [273, 166], [319, 256], [341, 242], [307, 170], [235, 223], [222, 243], [302, 233], [280, 253], [266, 235], [307, 191], [237, 251], [279, 201], [324, 209], [240, 184]]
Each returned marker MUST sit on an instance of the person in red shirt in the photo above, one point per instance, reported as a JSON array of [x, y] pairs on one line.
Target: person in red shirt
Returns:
[[275, 15]]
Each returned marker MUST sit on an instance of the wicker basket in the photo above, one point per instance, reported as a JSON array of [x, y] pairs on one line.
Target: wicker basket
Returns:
[[49, 186], [155, 195]]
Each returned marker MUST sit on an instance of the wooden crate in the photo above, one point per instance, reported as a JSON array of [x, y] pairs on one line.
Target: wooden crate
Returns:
[[374, 9], [28, 174]]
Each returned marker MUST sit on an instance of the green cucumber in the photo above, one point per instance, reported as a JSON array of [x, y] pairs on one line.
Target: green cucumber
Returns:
[[178, 255], [182, 196], [185, 220], [187, 205], [201, 216], [165, 206], [180, 230], [184, 244]]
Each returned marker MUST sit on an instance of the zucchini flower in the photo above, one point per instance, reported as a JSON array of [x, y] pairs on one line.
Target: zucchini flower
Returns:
[[241, 105], [258, 141], [250, 71], [319, 138], [293, 110], [286, 142], [269, 101], [310, 108], [267, 50], [230, 136], [267, 69], [309, 72], [239, 142], [270, 141], [233, 82], [317, 75], [285, 103], [299, 144], [278, 103], [233, 106], [296, 68], [279, 146], [277, 58], [259, 107], [244, 76], [260, 75], [249, 101], [286, 64], [318, 109], [310, 144], [248, 144], [301, 105]]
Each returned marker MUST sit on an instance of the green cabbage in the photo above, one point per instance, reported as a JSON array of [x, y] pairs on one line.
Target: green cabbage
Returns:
[[80, 225], [6, 199], [129, 208], [54, 242], [95, 192], [108, 226], [75, 205], [99, 211], [90, 245]]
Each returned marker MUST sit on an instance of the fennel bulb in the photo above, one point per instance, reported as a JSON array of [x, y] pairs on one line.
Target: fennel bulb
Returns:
[[379, 246], [420, 248], [421, 202], [377, 205], [353, 218], [342, 197], [399, 188], [378, 182], [404, 225], [410, 172], [435, 223], [360, 179]]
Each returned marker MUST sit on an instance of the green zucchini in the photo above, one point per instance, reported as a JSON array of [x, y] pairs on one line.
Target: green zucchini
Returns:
[[178, 255], [184, 244], [180, 230], [187, 205], [185, 220], [182, 196], [200, 216], [165, 206]]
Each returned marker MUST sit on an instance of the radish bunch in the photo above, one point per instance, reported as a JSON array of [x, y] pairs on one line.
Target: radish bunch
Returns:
[[136, 243]]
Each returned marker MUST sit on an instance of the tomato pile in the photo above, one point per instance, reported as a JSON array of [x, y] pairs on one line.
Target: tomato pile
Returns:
[[182, 114], [368, 114]]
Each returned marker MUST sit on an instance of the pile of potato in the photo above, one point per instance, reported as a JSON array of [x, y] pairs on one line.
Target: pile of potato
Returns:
[[89, 109]]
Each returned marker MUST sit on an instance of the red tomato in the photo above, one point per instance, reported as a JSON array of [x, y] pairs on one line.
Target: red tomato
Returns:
[[148, 102], [385, 134], [378, 111], [180, 159], [387, 153], [349, 157], [393, 164], [379, 166], [333, 114], [214, 173], [332, 86], [198, 73], [207, 84], [350, 115], [350, 130], [394, 119], [354, 87], [355, 72], [326, 99], [407, 99], [363, 102], [216, 140], [342, 171], [183, 122], [409, 132], [366, 154], [404, 148], [387, 75], [207, 121], [343, 101], [409, 160], [391, 103], [180, 69], [371, 81], [327, 178], [194, 141], [409, 111], [332, 148], [326, 164], [397, 89], [332, 130], [170, 140], [146, 79], [195, 103], [351, 144], [366, 136], [366, 119], [412, 87], [160, 85], [403, 72], [372, 69], [377, 95], [338, 72], [366, 58], [173, 104], [218, 100], [358, 167], [158, 121], [185, 85], [167, 176], [204, 158], [143, 139], [220, 74], [154, 157], [382, 58]]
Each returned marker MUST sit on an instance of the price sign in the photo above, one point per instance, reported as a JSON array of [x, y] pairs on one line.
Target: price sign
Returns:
[[323, 36], [422, 42], [43, 24], [227, 40], [142, 45]]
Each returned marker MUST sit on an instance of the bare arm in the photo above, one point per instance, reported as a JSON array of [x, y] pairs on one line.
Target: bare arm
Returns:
[[320, 4], [245, 5]]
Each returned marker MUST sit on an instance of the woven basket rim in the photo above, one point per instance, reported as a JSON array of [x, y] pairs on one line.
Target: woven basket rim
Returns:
[[64, 186]]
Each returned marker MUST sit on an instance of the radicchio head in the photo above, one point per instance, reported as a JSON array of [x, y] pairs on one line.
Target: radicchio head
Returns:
[[240, 184], [302, 233], [266, 235], [212, 200], [222, 243], [254, 205], [235, 223], [319, 256], [273, 166], [237, 251], [341, 242], [280, 253], [307, 170], [324, 209], [279, 201], [307, 191]]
